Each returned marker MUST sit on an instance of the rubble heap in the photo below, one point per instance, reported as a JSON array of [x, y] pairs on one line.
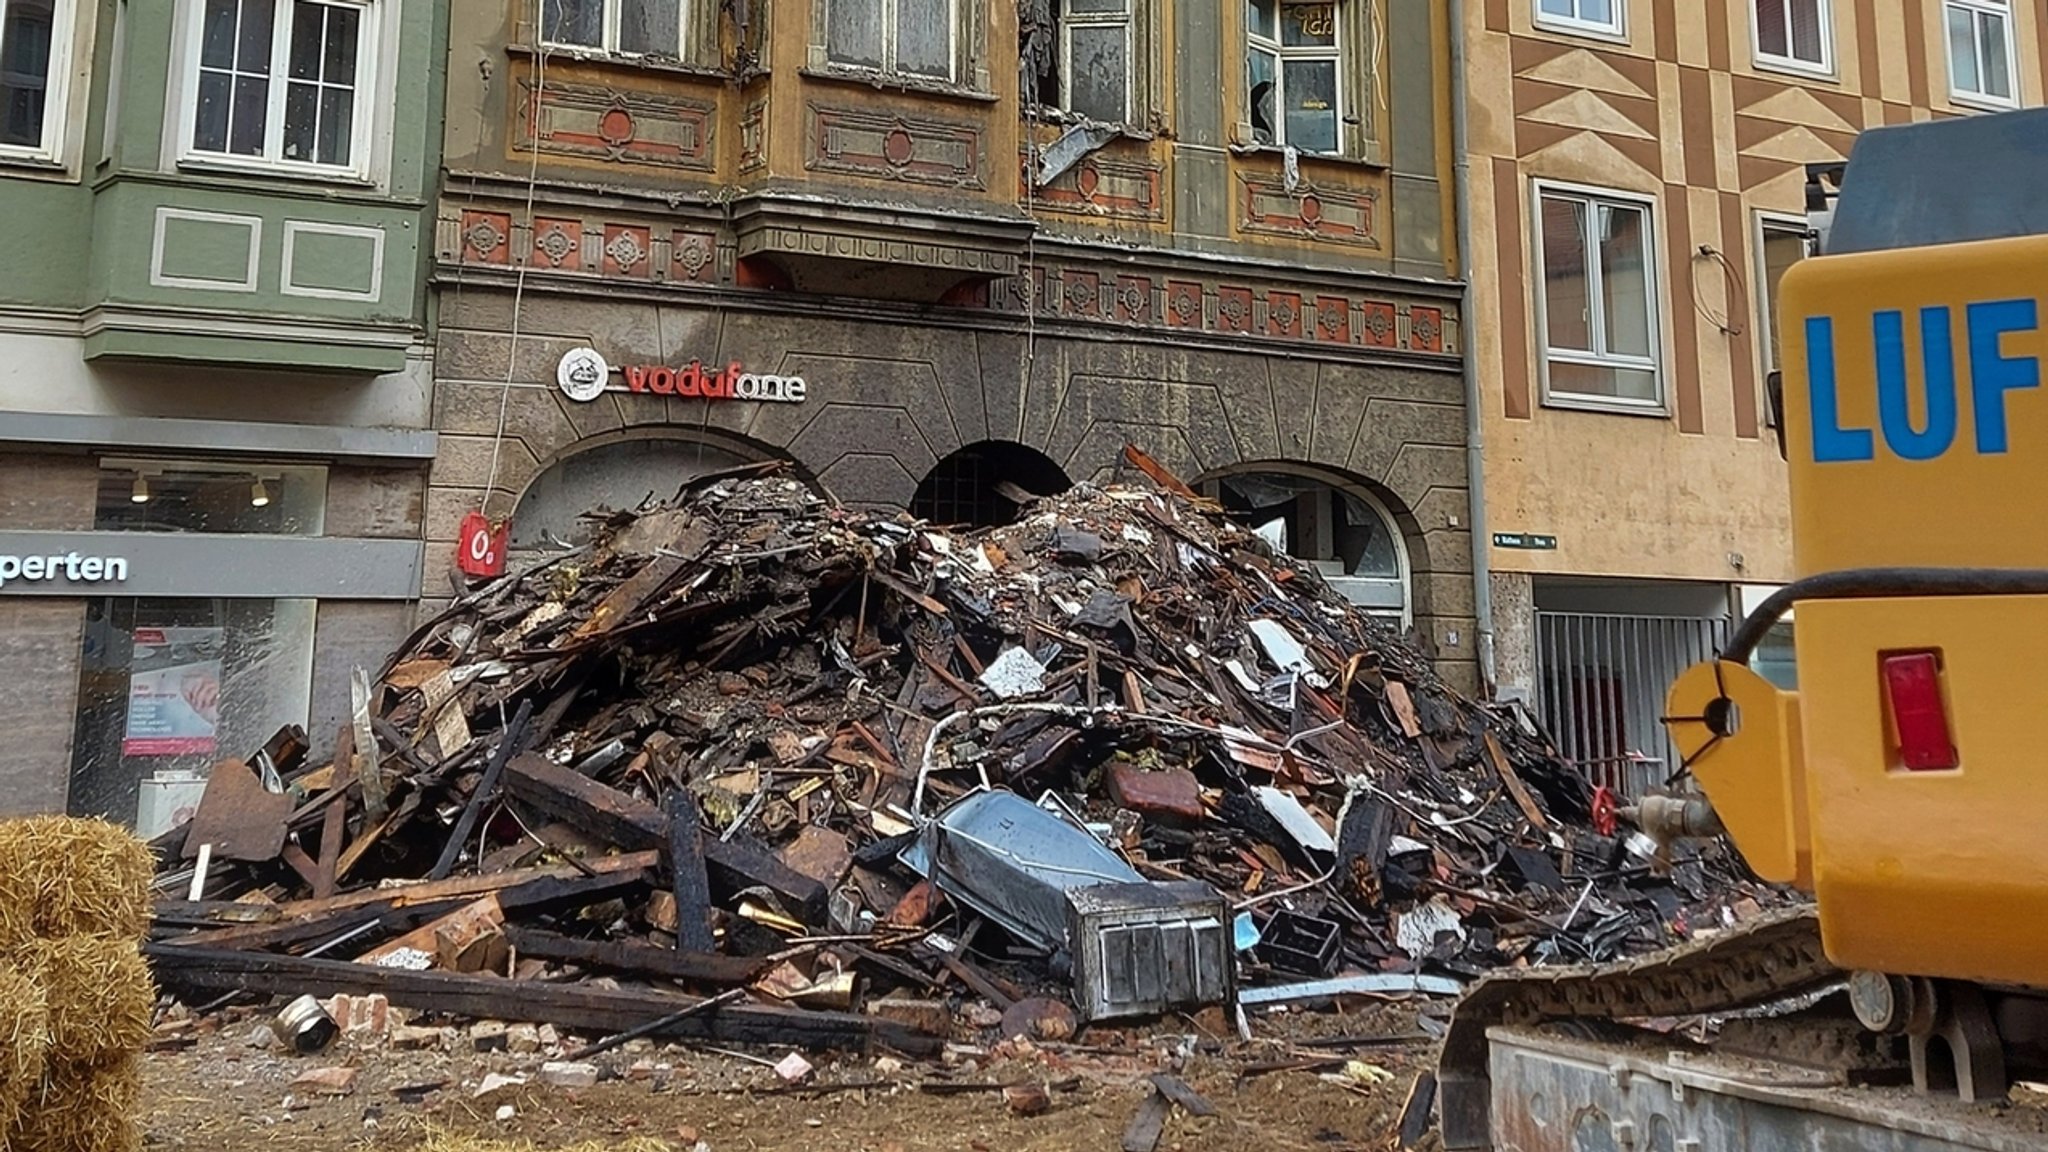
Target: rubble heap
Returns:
[[714, 747]]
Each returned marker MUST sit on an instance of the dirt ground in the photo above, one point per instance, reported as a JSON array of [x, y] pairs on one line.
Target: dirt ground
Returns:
[[234, 1089]]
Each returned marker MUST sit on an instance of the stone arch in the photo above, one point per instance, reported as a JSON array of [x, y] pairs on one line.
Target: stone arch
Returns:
[[620, 470], [1358, 532], [966, 486]]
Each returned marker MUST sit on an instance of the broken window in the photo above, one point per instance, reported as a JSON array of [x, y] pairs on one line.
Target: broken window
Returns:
[[901, 37], [1093, 72], [1296, 77]]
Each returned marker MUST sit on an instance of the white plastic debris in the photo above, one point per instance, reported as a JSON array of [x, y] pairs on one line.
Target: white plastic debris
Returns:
[[793, 1068], [1416, 931], [1013, 673]]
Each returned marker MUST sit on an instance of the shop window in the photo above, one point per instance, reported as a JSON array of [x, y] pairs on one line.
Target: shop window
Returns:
[[553, 513], [139, 495], [986, 484], [1094, 61], [1596, 299], [919, 39], [1980, 52], [282, 84], [1794, 34], [1599, 17], [1349, 536], [35, 59], [172, 686]]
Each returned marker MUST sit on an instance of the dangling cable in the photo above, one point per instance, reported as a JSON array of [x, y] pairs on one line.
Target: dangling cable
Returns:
[[540, 89]]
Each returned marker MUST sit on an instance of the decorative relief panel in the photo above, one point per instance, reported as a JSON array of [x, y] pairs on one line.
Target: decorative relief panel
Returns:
[[628, 251], [1234, 309], [696, 257], [631, 127], [1102, 188], [558, 244], [1134, 299], [1380, 323], [1082, 293], [1338, 215], [878, 145], [1184, 304], [1283, 313], [1426, 329], [486, 238], [754, 136], [1333, 319]]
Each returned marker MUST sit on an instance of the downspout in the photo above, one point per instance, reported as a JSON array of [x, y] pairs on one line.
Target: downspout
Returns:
[[1468, 311]]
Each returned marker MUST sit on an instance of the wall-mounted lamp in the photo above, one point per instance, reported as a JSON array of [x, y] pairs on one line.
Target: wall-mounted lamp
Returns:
[[259, 494], [138, 493]]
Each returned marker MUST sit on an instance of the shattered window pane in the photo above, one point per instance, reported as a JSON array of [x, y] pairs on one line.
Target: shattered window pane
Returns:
[[651, 27], [1262, 17], [1100, 86], [176, 684], [1262, 81], [853, 32], [577, 22], [924, 38]]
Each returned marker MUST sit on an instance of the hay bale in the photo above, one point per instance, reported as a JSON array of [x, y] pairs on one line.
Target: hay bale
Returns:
[[83, 1108], [24, 1042], [98, 995], [63, 876]]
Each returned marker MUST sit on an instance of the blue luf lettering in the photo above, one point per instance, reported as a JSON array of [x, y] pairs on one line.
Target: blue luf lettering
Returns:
[[1937, 355], [1992, 376]]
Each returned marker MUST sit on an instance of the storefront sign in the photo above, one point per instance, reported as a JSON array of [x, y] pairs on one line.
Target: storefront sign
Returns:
[[584, 375], [480, 547], [69, 566], [174, 681]]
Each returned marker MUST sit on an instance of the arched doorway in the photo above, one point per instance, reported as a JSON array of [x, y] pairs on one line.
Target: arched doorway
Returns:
[[985, 483], [616, 472], [1340, 526]]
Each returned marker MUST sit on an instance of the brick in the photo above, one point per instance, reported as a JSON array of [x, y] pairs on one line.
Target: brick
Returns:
[[523, 1038], [925, 1015], [488, 1036], [567, 1074], [360, 1015], [328, 1081], [1173, 795]]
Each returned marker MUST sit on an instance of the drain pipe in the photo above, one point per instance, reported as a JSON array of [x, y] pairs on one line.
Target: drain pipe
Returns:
[[1468, 311]]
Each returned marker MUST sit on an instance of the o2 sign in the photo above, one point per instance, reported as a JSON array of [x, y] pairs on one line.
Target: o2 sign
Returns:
[[480, 546]]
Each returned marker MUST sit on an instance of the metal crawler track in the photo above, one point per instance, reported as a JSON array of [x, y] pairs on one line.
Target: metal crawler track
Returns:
[[1772, 957]]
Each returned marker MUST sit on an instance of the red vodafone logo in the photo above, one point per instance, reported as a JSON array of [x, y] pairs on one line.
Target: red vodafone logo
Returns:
[[728, 383]]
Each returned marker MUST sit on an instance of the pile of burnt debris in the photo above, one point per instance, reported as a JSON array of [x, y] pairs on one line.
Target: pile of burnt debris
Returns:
[[751, 767]]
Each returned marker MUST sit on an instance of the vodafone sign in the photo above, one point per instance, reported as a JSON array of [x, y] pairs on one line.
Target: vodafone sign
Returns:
[[584, 375], [727, 383]]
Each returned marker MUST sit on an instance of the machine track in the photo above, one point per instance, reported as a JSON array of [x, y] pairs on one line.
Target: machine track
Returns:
[[1775, 956]]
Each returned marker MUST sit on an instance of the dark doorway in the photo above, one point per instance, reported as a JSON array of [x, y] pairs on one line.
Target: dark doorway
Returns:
[[986, 484]]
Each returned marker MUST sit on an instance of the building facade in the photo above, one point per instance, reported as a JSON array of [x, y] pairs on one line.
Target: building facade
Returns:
[[930, 252], [1638, 177], [214, 377]]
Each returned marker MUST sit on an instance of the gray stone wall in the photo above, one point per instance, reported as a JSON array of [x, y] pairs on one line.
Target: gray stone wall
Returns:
[[1515, 662], [889, 398]]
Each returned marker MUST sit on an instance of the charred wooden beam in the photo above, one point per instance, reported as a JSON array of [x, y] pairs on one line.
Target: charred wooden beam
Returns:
[[635, 959]]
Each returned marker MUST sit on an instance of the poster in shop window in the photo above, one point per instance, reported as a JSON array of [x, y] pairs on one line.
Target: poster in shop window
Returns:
[[174, 692]]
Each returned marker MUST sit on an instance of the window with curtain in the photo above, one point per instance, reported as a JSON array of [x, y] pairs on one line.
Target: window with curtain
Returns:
[[1597, 298], [1794, 33]]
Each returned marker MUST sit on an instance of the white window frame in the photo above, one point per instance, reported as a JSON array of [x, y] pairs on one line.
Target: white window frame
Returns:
[[891, 14], [1653, 289], [613, 17], [1125, 20], [1977, 10], [363, 123], [1765, 223], [1282, 53], [56, 88], [1615, 29], [1790, 63]]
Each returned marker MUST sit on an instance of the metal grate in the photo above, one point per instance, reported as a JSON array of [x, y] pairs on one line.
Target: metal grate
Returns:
[[1603, 680]]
